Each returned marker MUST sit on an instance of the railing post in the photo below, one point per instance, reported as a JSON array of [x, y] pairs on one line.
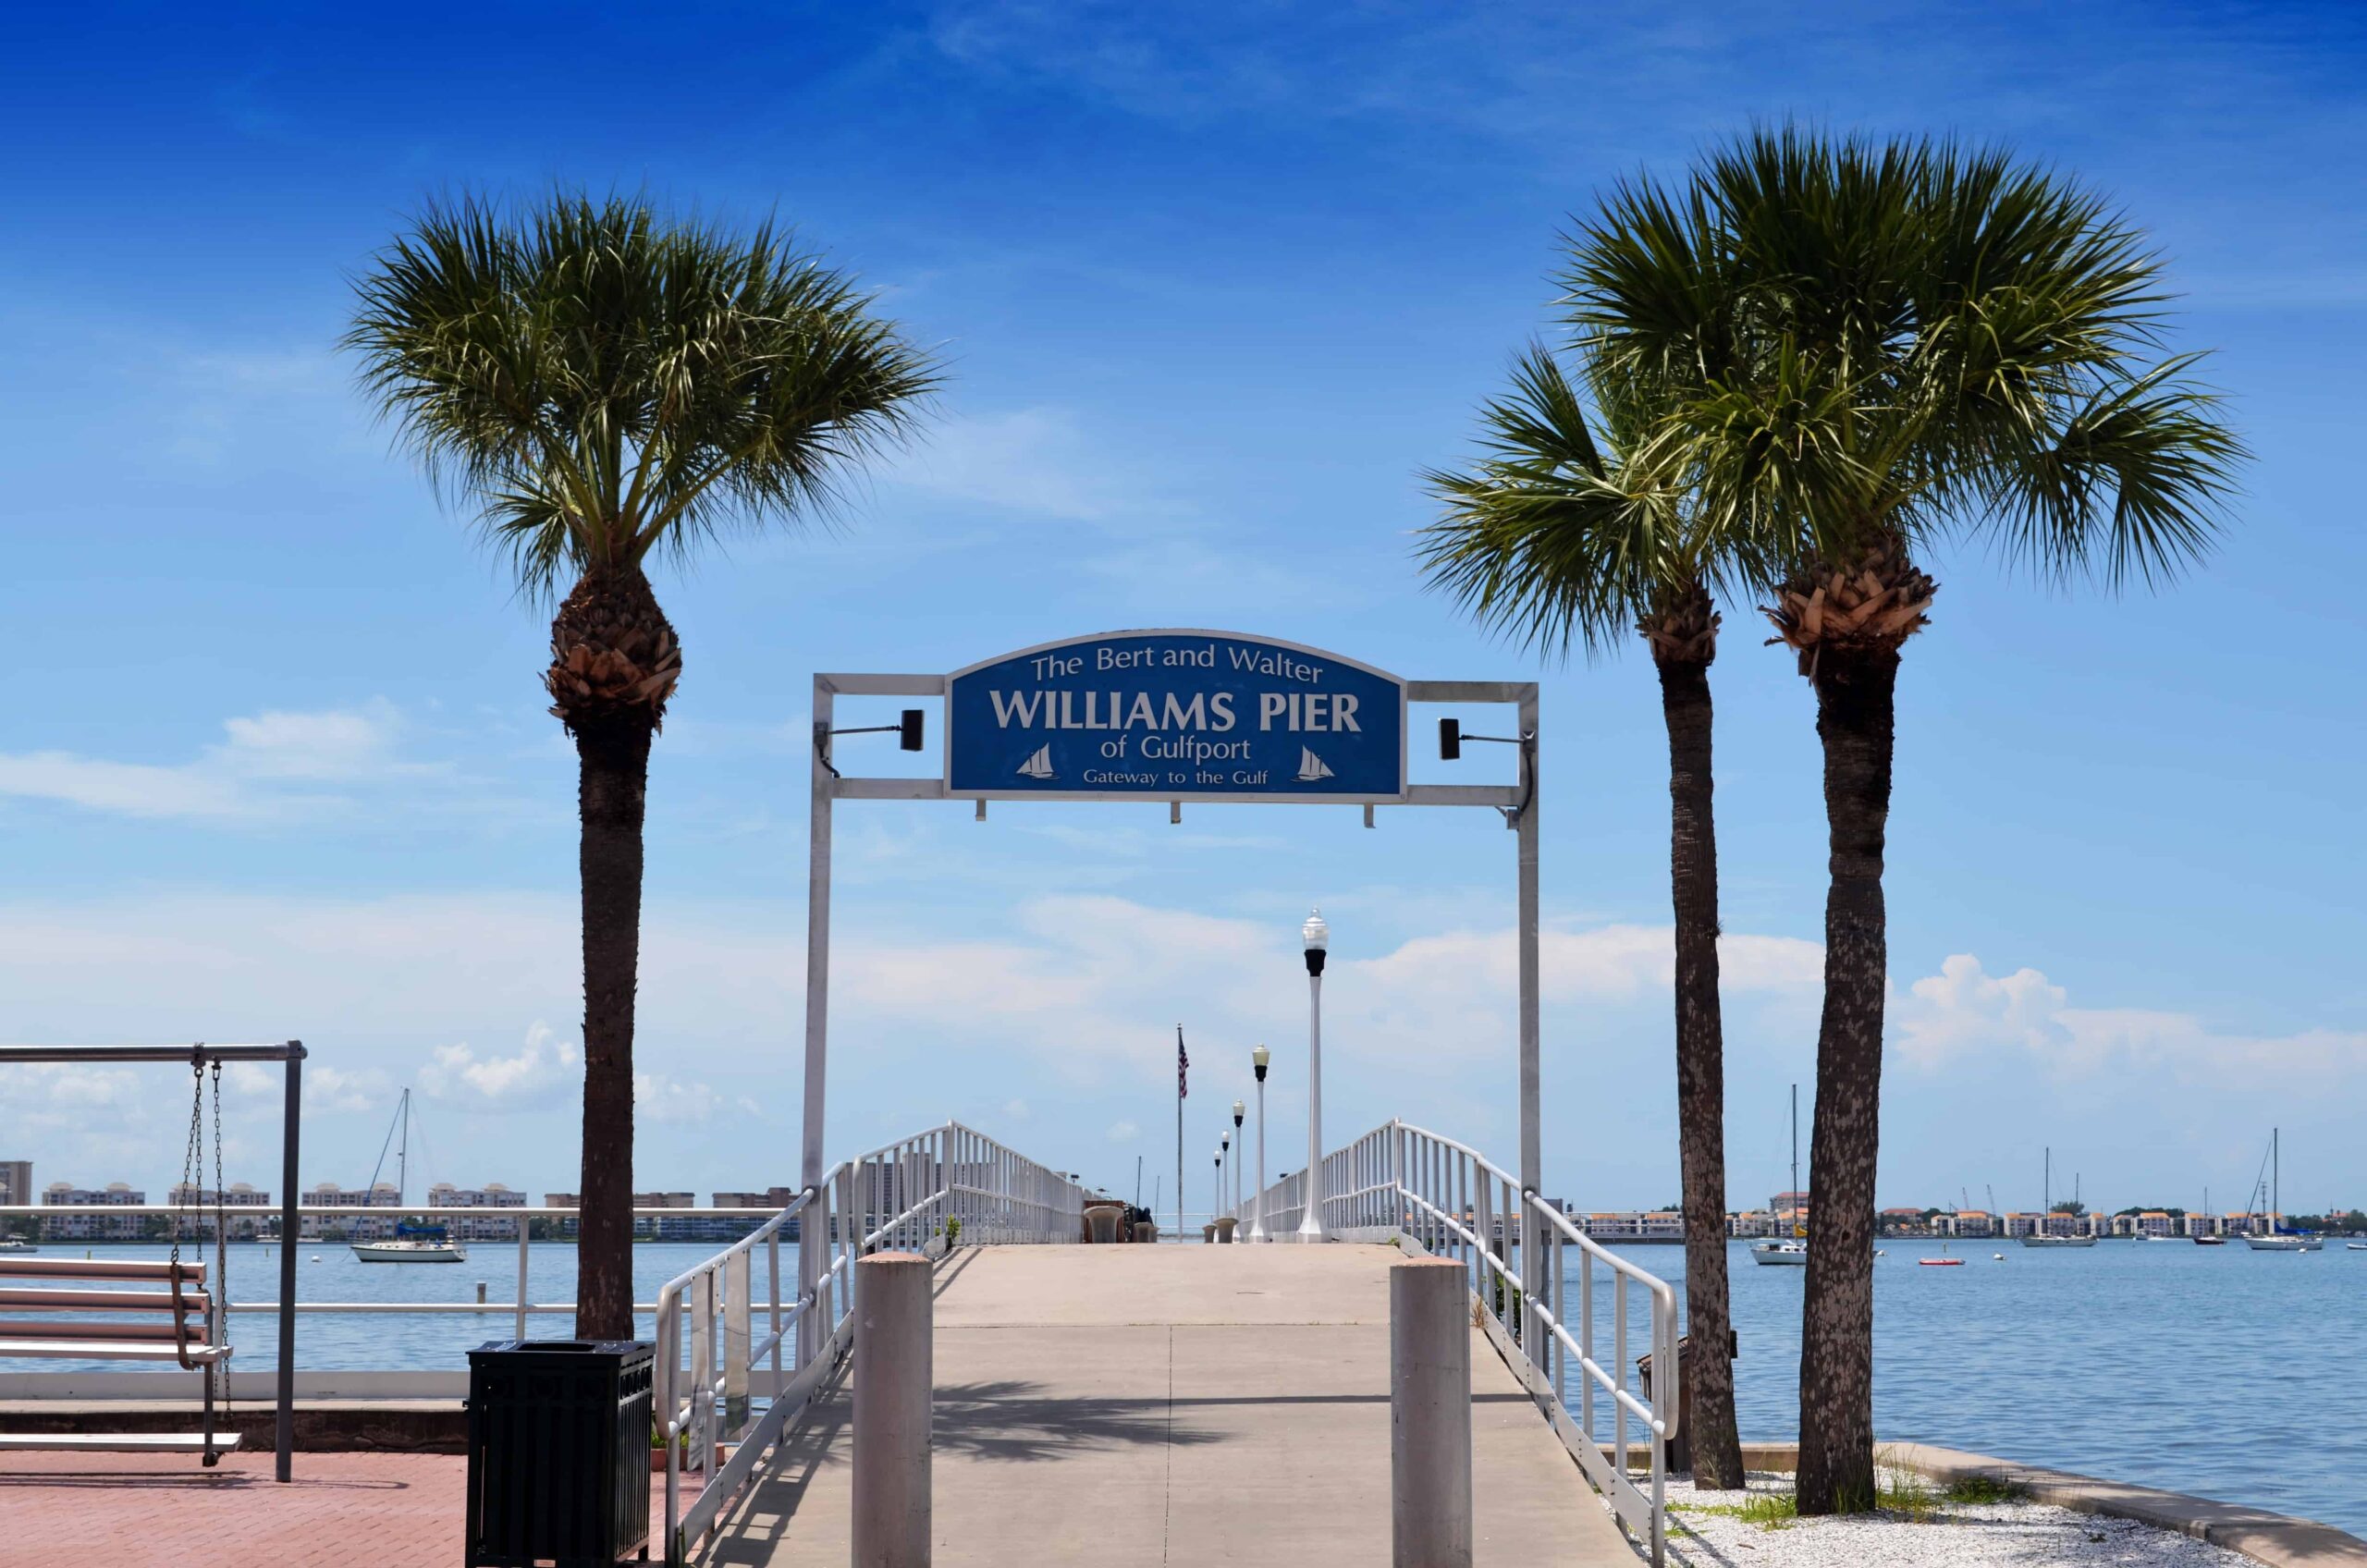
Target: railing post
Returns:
[[736, 1273], [772, 1267], [1430, 1415], [703, 1374], [521, 1280], [892, 1376]]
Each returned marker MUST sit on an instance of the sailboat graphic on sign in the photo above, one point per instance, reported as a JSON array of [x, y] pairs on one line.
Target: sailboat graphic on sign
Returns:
[[1038, 765], [1310, 767]]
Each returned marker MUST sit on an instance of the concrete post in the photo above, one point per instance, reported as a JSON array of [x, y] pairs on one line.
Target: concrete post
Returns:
[[1430, 1415], [894, 1369]]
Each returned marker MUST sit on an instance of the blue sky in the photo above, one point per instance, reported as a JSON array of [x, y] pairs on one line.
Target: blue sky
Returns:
[[1212, 291]]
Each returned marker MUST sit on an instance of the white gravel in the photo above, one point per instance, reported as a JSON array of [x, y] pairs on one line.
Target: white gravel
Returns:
[[2004, 1535]]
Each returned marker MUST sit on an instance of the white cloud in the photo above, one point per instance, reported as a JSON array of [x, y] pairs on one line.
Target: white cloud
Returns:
[[1123, 1131], [1964, 1012], [323, 1087], [1036, 460], [267, 767], [547, 1068], [1015, 1109], [659, 1098]]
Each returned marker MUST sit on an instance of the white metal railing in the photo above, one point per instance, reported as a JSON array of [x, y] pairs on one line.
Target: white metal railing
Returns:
[[1401, 1182], [921, 1193]]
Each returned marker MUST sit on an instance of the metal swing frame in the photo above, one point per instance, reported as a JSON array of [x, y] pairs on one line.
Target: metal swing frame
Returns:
[[291, 1055]]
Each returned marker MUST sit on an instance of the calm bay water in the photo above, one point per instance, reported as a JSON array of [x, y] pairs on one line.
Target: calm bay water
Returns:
[[2220, 1371], [2216, 1370]]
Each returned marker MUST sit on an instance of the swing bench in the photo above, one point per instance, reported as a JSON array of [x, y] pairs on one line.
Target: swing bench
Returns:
[[170, 1318], [167, 1314]]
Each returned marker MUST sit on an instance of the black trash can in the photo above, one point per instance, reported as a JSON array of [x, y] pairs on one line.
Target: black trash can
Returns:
[[559, 1452]]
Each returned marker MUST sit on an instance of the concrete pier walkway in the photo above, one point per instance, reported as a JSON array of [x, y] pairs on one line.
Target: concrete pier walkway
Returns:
[[1127, 1405]]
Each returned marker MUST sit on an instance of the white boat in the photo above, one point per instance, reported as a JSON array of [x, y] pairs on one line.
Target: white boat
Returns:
[[1792, 1252], [425, 1243], [2046, 1216], [1311, 767], [1038, 765], [2276, 1239], [411, 1243], [17, 1244]]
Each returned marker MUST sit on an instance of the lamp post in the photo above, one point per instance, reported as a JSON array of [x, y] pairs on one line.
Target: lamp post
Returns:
[[1240, 1158], [1317, 937], [1216, 1205], [1261, 1058], [1224, 1153]]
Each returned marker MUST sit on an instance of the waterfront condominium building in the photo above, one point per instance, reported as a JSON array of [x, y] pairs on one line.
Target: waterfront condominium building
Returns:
[[236, 1197], [493, 1194], [332, 1225], [15, 1181], [1966, 1222], [1656, 1225], [1785, 1205], [86, 1225]]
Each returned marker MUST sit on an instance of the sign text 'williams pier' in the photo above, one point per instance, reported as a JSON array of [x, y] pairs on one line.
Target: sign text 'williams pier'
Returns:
[[1175, 715]]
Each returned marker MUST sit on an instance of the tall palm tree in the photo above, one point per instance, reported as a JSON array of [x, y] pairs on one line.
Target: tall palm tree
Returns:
[[603, 385], [1556, 537], [1884, 348]]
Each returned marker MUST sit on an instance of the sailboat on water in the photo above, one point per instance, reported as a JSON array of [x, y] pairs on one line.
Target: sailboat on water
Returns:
[[411, 1244], [1793, 1251], [2043, 1237], [2278, 1240]]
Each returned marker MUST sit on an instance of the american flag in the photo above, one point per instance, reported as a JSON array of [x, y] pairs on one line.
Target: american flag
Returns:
[[1182, 1066]]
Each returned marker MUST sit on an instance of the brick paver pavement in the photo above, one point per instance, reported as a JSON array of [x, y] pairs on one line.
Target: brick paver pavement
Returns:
[[144, 1511]]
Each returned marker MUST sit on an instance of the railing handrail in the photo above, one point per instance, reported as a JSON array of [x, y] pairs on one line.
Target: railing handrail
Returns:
[[269, 1210], [1404, 1181], [893, 1194]]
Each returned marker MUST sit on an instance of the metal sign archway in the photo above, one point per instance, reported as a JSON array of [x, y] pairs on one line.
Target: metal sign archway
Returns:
[[1166, 715]]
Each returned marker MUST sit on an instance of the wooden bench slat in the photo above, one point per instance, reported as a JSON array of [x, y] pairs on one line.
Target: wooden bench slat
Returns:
[[79, 1268], [107, 1349], [119, 1442], [34, 1298], [54, 1328]]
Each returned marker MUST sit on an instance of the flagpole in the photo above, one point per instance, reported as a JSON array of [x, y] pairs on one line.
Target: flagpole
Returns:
[[1180, 1059]]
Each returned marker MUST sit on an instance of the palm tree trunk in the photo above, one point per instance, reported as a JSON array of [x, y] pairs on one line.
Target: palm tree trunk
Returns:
[[1855, 690], [613, 757], [1700, 1074]]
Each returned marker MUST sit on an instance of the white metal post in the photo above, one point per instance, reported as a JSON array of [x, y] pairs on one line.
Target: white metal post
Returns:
[[812, 1247], [1310, 1225], [1531, 1146], [1257, 1216]]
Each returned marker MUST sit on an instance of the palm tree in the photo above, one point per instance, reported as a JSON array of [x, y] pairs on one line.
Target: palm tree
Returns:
[[1882, 349], [603, 385], [1556, 537]]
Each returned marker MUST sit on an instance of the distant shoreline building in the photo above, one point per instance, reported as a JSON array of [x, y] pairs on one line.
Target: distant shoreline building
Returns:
[[89, 1226], [237, 1196]]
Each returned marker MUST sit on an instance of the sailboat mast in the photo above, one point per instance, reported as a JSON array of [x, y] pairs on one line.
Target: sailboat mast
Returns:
[[2277, 1180], [402, 1153], [1795, 1156]]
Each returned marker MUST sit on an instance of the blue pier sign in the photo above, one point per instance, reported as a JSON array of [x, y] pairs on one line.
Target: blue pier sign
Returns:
[[1175, 715]]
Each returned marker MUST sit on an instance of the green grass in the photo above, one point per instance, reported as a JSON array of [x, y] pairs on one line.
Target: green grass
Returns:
[[1771, 1511], [1985, 1488]]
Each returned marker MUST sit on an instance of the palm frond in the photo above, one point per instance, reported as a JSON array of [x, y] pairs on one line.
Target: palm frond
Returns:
[[603, 384], [1553, 537]]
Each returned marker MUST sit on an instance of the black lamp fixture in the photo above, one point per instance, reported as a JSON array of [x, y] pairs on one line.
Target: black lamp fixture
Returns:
[[907, 730], [1260, 1059], [1451, 738], [1317, 937]]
